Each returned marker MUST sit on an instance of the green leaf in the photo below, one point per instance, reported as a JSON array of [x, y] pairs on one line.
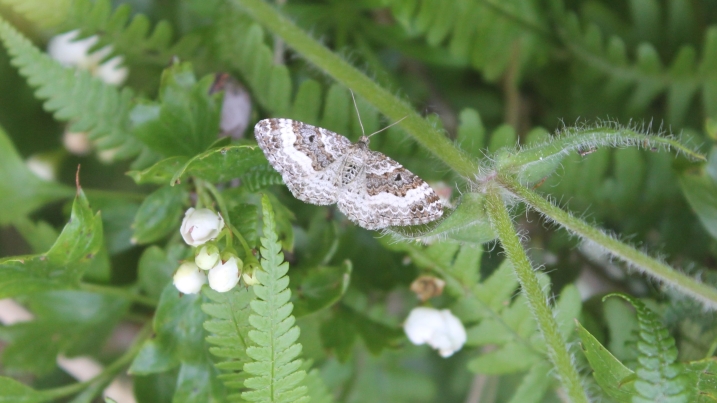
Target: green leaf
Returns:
[[222, 164], [22, 191], [700, 190], [63, 265], [160, 173], [614, 378], [15, 392], [534, 384], [63, 320], [471, 133], [467, 224], [160, 213], [179, 334], [658, 376], [274, 368], [319, 288], [244, 217], [339, 333], [156, 267], [185, 121]]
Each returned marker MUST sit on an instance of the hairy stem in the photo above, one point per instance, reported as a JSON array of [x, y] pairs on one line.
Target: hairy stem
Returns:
[[343, 72], [557, 352], [702, 292]]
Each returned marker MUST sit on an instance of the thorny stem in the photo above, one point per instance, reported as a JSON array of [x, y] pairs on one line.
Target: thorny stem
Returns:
[[630, 255], [557, 352]]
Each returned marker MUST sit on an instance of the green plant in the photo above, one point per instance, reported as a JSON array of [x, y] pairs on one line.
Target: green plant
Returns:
[[318, 314]]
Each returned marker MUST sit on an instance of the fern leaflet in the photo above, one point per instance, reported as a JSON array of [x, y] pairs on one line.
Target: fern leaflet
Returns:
[[275, 368], [229, 330], [659, 377], [88, 103]]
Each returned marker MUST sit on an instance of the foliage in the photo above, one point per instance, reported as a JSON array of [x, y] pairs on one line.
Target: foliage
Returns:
[[597, 118]]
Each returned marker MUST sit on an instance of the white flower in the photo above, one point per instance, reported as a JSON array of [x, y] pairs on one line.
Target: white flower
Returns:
[[207, 257], [76, 53], [189, 278], [42, 166], [224, 276], [200, 226], [439, 329]]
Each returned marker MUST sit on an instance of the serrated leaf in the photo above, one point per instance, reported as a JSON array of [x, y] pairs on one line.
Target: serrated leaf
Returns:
[[185, 120], [159, 214], [63, 265], [221, 164], [615, 379], [161, 173]]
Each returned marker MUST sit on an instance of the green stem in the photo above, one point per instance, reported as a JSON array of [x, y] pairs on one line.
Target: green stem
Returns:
[[217, 197], [632, 256], [119, 292], [108, 373], [343, 72], [557, 352]]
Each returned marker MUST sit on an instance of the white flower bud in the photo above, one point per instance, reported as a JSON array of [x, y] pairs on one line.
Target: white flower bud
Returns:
[[224, 276], [207, 257], [189, 278], [439, 329], [200, 226], [250, 279]]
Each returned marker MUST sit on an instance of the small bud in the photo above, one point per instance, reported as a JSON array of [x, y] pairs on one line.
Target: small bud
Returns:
[[236, 106], [42, 165], [200, 226], [427, 287], [250, 278], [189, 278], [224, 276], [207, 257], [439, 329], [77, 143]]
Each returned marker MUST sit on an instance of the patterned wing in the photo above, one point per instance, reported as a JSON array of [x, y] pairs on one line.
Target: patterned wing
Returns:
[[387, 194], [307, 157]]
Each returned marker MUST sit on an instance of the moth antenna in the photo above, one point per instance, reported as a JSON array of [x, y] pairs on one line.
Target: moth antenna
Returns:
[[358, 113], [387, 127]]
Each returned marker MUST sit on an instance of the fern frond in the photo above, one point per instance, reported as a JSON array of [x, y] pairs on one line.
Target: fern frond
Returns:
[[317, 390], [229, 329], [646, 77], [275, 369], [487, 35], [88, 103], [659, 376], [130, 36]]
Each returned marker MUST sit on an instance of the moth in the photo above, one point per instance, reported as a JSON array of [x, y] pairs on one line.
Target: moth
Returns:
[[322, 167]]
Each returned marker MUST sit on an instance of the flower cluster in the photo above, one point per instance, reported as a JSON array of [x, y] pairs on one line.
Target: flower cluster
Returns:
[[200, 228], [439, 329]]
